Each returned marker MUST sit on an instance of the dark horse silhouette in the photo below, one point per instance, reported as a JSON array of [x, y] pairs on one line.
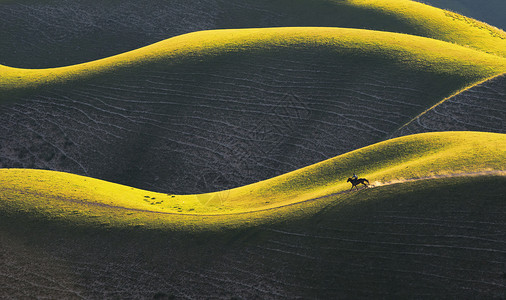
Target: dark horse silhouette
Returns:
[[355, 182]]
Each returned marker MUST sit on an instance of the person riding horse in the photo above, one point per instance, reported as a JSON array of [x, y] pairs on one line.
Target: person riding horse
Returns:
[[355, 181]]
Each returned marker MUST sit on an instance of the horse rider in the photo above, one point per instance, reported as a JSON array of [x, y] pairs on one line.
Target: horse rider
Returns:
[[354, 177]]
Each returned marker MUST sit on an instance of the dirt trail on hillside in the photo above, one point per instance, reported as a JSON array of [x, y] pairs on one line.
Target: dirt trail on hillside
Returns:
[[374, 184], [478, 108], [438, 176], [396, 181]]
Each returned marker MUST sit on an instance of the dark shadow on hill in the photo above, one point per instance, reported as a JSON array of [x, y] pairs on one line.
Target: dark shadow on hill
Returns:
[[229, 121], [427, 239], [52, 33], [490, 12], [480, 108]]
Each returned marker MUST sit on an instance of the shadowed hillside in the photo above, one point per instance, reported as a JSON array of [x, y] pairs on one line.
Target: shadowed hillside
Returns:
[[262, 103], [480, 108], [425, 239], [442, 232], [54, 33], [490, 11], [85, 201], [215, 162]]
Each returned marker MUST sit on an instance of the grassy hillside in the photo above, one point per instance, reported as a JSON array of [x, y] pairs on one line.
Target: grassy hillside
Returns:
[[212, 137], [410, 51], [193, 113], [490, 12], [439, 24], [56, 33], [71, 198], [431, 238], [477, 108]]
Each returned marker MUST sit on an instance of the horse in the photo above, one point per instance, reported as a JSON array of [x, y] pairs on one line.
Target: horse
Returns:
[[355, 182]]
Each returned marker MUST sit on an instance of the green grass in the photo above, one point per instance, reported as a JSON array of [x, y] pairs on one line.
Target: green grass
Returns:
[[381, 238], [491, 13], [403, 16], [81, 200], [455, 172], [428, 21], [400, 16], [452, 66]]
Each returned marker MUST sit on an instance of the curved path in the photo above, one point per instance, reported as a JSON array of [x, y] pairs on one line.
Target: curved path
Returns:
[[405, 246], [480, 108], [372, 185]]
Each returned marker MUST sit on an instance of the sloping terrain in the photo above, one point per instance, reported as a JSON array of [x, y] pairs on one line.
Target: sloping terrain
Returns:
[[491, 11], [220, 109], [216, 161], [479, 108], [426, 239], [83, 200], [55, 33], [434, 219]]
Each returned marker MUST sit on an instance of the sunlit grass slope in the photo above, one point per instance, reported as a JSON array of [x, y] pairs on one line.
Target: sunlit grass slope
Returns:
[[83, 200], [425, 20], [402, 16], [492, 12], [410, 52], [402, 237]]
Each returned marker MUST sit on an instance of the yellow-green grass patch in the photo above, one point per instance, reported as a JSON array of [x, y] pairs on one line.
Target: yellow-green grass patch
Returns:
[[87, 201], [436, 58], [425, 20]]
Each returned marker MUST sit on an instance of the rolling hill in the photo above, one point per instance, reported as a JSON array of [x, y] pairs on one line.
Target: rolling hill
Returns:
[[479, 108], [87, 200], [490, 11], [443, 233], [57, 33], [194, 113], [200, 149]]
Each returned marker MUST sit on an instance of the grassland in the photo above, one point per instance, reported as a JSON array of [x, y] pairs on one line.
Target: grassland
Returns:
[[444, 236], [434, 56], [439, 24], [413, 52], [436, 70], [72, 198], [490, 13], [481, 100], [68, 39], [432, 225]]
